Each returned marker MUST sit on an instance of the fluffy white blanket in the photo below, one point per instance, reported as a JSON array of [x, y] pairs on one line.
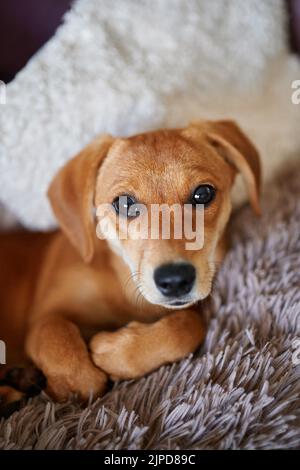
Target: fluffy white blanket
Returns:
[[128, 66]]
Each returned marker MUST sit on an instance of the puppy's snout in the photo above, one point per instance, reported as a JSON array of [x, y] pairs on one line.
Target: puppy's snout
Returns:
[[175, 280]]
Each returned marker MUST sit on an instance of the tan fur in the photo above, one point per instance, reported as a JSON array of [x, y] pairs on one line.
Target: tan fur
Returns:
[[67, 286]]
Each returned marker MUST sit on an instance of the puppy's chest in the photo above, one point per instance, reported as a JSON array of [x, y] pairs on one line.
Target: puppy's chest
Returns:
[[98, 298], [102, 301]]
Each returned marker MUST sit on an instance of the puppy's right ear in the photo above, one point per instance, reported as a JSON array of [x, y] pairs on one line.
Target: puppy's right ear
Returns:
[[234, 146], [71, 195]]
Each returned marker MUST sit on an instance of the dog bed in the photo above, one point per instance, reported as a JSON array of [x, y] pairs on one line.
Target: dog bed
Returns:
[[242, 391]]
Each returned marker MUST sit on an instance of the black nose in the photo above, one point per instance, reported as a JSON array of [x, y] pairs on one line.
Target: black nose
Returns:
[[175, 280]]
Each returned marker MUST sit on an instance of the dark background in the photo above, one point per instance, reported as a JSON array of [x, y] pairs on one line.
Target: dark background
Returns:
[[25, 25]]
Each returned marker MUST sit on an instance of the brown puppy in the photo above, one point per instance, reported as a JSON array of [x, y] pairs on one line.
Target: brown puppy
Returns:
[[63, 287]]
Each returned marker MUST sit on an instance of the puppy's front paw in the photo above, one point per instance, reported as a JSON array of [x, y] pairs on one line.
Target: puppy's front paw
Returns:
[[85, 381], [117, 352], [140, 348]]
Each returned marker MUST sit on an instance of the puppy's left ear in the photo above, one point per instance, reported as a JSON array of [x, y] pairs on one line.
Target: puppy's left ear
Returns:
[[235, 147], [71, 195]]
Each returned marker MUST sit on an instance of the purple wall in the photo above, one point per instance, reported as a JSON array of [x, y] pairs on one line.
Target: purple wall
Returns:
[[25, 25], [294, 10]]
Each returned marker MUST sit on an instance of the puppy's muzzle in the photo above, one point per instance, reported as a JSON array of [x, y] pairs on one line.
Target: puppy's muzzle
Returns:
[[175, 280]]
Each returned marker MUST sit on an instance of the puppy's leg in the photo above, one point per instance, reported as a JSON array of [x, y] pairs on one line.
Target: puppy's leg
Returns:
[[26, 379], [55, 345], [16, 384], [139, 348], [10, 400]]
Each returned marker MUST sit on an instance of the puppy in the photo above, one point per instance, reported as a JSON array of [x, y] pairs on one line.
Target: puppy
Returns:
[[134, 301]]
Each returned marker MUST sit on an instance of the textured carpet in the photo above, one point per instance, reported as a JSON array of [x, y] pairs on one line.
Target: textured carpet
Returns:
[[241, 391]]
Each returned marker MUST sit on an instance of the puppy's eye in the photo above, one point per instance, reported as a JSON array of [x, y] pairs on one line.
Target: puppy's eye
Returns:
[[204, 194], [125, 206]]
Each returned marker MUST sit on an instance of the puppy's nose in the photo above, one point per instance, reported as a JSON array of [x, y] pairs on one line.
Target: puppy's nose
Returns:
[[175, 280]]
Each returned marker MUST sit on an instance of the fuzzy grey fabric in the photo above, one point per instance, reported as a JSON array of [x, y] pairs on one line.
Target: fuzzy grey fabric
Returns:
[[242, 391]]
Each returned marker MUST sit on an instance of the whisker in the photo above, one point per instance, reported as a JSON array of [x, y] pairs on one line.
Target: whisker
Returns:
[[134, 275]]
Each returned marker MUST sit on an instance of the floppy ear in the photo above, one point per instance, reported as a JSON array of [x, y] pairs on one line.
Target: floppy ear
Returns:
[[233, 145], [71, 194]]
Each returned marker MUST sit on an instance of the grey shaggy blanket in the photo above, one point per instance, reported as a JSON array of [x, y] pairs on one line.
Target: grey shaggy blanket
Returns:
[[241, 391]]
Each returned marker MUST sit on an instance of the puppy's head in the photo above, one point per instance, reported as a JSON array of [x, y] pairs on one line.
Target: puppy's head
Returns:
[[194, 166]]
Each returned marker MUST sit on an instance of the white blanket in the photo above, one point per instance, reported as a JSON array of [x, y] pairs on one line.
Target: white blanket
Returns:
[[126, 66]]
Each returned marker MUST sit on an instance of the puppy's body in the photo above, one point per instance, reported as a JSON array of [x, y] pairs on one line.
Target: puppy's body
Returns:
[[43, 269], [49, 281], [53, 299], [21, 261]]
